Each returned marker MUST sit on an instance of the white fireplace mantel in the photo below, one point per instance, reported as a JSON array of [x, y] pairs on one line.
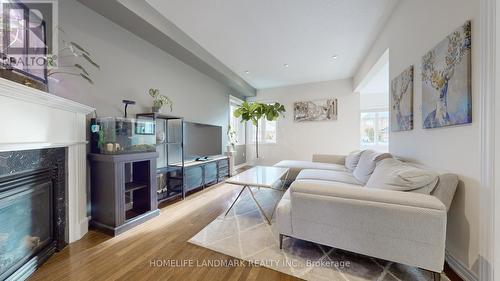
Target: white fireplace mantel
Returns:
[[33, 119]]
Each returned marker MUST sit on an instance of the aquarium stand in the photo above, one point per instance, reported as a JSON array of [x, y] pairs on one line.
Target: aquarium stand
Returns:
[[123, 190]]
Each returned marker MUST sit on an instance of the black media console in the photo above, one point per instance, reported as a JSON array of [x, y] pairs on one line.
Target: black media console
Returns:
[[201, 174]]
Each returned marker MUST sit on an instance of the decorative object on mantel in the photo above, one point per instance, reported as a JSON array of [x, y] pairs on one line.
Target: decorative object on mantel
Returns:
[[255, 111], [446, 81], [20, 78], [402, 101], [75, 67], [319, 110], [22, 60], [159, 100]]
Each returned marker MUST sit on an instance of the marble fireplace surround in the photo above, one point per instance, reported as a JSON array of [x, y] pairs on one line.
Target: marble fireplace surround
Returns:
[[32, 119]]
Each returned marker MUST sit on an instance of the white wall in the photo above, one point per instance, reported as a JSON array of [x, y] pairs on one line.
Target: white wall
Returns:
[[414, 28], [374, 101], [301, 140], [129, 67]]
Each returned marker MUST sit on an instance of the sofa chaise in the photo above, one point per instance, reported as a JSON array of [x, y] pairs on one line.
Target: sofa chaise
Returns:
[[369, 203]]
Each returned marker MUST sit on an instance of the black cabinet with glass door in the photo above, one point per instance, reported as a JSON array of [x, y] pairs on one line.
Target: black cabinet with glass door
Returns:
[[170, 162]]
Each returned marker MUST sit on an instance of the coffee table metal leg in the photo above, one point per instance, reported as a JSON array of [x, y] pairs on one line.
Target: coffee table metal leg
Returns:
[[258, 205], [286, 178], [235, 200]]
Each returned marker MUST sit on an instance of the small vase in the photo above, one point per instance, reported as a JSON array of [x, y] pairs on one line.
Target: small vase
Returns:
[[156, 109]]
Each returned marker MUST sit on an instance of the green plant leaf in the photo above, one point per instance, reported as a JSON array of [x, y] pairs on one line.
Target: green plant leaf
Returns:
[[79, 66], [237, 113], [85, 56], [79, 48], [86, 78], [254, 106], [246, 116], [270, 116]]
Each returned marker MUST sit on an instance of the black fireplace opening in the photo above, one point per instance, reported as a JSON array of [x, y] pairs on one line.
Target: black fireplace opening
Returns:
[[32, 209]]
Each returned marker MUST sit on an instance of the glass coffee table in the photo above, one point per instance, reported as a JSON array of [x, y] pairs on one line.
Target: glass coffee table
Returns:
[[262, 177]]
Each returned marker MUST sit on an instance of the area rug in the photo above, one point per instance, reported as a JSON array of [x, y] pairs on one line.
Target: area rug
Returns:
[[244, 234]]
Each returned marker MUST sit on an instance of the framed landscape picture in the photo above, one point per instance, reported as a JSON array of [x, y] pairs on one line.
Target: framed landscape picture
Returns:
[[319, 110], [446, 81], [401, 101]]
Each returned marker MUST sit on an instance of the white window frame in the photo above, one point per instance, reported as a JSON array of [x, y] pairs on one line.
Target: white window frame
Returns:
[[241, 136], [376, 143], [262, 129]]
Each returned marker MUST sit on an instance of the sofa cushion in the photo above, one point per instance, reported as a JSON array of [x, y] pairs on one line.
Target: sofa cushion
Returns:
[[283, 214], [445, 188], [330, 176], [310, 165], [367, 163], [296, 166], [351, 161], [331, 183], [393, 174]]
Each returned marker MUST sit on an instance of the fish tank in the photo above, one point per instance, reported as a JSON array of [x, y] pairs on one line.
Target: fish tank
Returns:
[[117, 135]]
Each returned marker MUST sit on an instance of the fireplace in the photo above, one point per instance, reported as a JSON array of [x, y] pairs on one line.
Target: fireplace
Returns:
[[32, 209]]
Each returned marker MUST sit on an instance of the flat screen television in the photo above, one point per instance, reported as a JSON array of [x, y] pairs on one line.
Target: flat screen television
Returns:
[[201, 140]]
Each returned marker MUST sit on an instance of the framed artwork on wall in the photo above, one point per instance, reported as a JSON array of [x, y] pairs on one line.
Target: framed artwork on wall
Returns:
[[319, 110], [446, 81], [401, 101]]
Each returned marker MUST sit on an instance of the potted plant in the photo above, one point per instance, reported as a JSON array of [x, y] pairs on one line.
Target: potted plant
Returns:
[[75, 57], [159, 100], [255, 111], [231, 137]]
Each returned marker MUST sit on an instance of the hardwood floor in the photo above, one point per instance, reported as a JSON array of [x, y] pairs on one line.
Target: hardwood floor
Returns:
[[164, 240]]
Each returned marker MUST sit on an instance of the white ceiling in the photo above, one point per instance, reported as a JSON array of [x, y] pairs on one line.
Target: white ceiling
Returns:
[[261, 36]]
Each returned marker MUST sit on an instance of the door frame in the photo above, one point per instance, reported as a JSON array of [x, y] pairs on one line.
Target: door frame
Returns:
[[488, 210]]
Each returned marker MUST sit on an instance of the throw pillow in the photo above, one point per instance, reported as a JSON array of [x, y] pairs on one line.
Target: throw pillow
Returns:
[[396, 175], [351, 161], [366, 164]]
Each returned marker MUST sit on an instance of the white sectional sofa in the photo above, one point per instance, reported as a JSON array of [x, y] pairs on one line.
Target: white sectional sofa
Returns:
[[369, 203]]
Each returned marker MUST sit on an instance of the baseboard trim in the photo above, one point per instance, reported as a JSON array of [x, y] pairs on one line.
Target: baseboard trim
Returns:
[[241, 165], [460, 269], [79, 230]]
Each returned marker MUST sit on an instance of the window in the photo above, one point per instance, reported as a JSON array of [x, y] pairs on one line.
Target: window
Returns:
[[375, 129], [267, 131], [236, 122]]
